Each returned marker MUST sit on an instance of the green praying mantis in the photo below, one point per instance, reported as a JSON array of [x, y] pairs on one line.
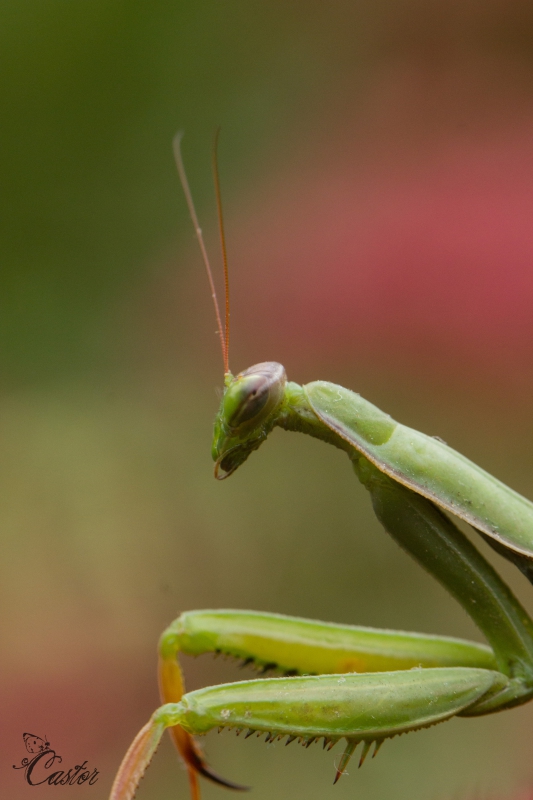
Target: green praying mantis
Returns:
[[347, 682]]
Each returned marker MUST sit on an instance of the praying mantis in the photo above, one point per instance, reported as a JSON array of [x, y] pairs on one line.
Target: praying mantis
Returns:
[[347, 682]]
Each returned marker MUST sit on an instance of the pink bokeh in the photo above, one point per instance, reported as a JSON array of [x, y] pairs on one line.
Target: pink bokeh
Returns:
[[428, 258]]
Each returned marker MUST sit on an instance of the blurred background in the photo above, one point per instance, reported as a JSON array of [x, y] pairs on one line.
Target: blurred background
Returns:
[[376, 163]]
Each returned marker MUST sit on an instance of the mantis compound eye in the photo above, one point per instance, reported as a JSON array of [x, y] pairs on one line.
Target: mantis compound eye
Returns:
[[253, 395], [247, 413]]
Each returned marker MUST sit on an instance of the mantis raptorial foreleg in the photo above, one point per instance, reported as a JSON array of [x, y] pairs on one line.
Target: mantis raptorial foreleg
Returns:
[[301, 646], [340, 681], [364, 708]]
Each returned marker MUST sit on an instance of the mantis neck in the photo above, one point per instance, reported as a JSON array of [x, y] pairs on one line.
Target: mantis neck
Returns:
[[297, 415]]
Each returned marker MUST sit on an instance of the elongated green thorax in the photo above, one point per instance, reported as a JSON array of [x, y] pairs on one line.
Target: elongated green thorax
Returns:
[[261, 397]]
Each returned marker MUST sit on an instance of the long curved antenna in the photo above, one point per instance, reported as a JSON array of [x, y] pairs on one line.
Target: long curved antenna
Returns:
[[222, 237], [176, 144]]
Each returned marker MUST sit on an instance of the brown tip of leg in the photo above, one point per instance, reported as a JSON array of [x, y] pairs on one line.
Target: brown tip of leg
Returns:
[[208, 773], [190, 751]]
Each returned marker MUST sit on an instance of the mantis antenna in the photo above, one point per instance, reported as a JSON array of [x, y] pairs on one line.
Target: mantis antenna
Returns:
[[223, 332], [222, 243]]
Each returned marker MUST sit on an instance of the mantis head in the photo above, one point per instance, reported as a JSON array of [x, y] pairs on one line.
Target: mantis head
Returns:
[[248, 410]]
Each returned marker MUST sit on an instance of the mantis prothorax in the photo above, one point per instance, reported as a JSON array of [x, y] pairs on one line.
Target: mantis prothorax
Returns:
[[346, 682]]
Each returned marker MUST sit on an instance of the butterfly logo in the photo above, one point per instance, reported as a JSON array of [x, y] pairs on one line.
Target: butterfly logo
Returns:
[[34, 744]]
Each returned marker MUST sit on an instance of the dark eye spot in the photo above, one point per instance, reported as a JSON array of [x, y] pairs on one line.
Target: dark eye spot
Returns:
[[251, 406]]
